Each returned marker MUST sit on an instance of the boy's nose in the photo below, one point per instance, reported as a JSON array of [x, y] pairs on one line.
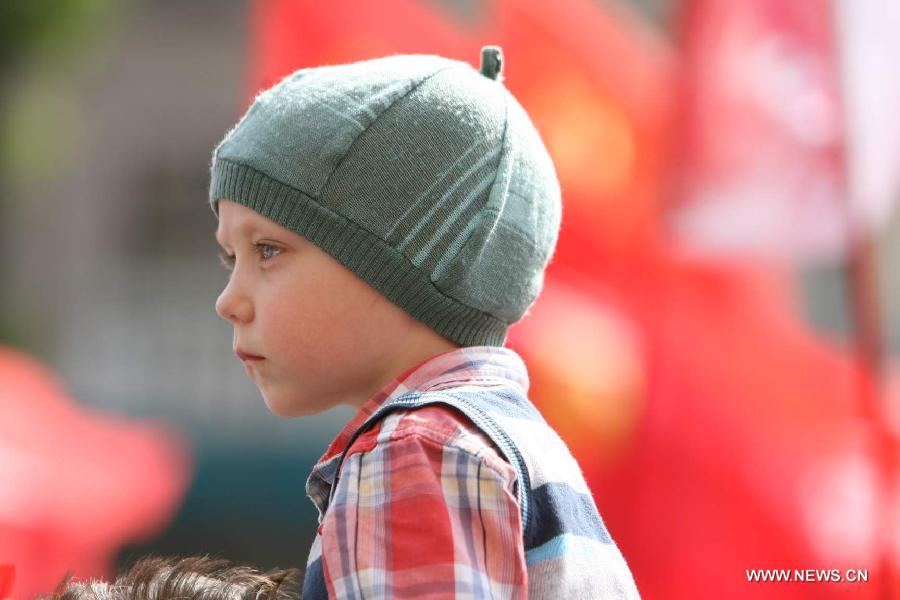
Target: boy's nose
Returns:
[[233, 307]]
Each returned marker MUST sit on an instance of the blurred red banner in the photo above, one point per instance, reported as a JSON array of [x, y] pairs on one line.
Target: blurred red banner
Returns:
[[761, 165], [76, 486]]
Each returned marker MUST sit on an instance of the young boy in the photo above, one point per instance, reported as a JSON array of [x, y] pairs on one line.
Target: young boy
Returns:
[[386, 221]]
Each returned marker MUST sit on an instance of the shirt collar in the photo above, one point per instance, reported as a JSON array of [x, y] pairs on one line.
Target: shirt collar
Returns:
[[466, 365]]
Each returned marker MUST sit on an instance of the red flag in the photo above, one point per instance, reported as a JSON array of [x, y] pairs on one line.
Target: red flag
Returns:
[[761, 137], [75, 486], [289, 34], [7, 579]]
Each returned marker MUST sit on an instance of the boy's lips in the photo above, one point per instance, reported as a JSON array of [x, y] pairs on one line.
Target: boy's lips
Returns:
[[245, 356]]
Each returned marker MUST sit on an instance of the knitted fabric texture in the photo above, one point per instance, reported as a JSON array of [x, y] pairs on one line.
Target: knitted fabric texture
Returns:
[[419, 173]]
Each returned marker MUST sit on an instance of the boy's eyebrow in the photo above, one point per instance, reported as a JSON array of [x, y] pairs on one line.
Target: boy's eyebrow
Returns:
[[246, 229]]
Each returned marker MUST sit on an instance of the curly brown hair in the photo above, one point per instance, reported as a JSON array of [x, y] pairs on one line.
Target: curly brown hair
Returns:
[[190, 578]]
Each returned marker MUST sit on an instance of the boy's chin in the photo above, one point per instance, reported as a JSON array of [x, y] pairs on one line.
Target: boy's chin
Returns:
[[290, 408]]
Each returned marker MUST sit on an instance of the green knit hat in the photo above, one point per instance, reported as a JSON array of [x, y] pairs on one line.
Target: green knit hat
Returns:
[[418, 173]]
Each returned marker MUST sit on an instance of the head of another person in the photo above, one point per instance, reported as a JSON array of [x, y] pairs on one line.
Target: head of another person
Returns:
[[373, 215], [191, 578]]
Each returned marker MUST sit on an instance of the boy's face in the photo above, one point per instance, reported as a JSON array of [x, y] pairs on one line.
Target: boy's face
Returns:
[[323, 336]]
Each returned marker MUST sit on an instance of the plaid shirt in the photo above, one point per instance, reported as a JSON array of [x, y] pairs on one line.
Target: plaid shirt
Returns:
[[426, 505]]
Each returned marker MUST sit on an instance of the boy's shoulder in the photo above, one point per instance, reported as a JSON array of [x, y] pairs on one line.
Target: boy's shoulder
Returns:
[[438, 427]]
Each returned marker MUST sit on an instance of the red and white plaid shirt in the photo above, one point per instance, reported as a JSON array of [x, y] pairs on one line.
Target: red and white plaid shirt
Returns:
[[425, 506]]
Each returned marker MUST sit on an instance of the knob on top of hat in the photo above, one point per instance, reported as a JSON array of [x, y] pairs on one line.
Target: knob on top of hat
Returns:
[[492, 62]]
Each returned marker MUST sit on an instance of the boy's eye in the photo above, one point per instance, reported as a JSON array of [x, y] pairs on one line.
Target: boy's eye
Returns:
[[266, 251]]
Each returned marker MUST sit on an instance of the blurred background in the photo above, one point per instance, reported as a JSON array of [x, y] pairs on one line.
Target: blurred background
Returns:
[[717, 338]]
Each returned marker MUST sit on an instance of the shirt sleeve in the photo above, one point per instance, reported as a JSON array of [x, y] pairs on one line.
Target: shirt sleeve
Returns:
[[415, 518]]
